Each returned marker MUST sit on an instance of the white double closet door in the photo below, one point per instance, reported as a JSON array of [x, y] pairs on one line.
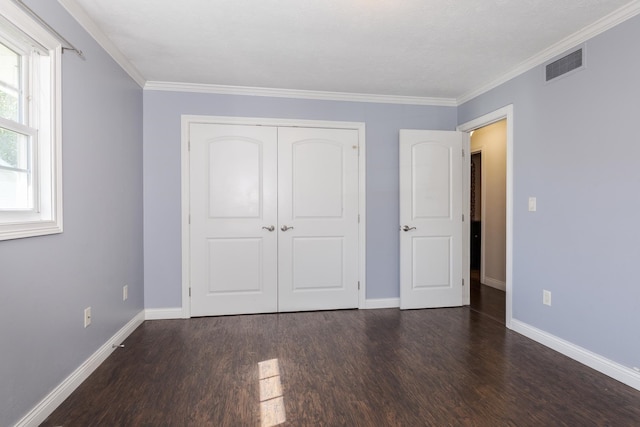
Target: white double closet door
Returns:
[[274, 219]]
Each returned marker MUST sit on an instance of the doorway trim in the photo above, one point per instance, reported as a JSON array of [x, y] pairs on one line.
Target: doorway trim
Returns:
[[487, 119], [187, 120]]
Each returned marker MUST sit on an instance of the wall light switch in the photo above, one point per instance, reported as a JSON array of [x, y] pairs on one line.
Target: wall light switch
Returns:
[[532, 204]]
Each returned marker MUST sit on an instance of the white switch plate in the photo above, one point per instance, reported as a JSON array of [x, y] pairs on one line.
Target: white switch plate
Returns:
[[546, 297], [87, 316], [532, 204], [125, 292]]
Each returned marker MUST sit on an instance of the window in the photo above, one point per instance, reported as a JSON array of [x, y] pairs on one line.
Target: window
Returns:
[[30, 175]]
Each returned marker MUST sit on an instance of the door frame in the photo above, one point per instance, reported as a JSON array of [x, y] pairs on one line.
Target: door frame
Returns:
[[487, 119], [187, 120]]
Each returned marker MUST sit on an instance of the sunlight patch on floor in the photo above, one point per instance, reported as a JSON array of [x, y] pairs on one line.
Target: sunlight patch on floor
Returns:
[[272, 410]]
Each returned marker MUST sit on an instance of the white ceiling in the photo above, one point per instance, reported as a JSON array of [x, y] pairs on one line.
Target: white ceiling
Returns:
[[422, 48]]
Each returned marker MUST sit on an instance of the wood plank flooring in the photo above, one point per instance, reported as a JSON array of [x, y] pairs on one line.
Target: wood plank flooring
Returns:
[[443, 367], [487, 300]]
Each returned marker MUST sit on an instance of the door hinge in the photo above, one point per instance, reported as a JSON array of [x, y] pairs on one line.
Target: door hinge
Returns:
[[463, 152], [189, 145], [462, 217], [358, 285], [462, 282], [189, 291]]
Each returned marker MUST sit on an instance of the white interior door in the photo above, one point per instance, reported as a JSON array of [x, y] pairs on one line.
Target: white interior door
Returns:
[[431, 208], [317, 219], [233, 190]]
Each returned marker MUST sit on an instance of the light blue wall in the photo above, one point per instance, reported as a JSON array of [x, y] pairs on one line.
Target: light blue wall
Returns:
[[162, 200], [576, 148], [46, 282]]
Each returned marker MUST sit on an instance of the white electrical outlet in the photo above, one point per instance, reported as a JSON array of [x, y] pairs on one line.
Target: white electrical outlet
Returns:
[[532, 204], [546, 297], [125, 292], [87, 316]]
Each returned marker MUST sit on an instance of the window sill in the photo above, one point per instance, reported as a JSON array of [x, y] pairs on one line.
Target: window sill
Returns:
[[32, 229]]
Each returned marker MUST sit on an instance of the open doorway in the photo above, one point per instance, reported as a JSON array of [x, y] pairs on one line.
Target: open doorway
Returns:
[[487, 206], [506, 113]]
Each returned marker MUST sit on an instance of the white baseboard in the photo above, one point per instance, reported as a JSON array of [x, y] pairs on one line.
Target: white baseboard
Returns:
[[601, 364], [163, 313], [177, 313], [47, 405], [495, 283], [382, 303]]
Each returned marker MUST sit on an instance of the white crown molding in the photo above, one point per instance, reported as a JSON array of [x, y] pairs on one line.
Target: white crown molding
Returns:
[[79, 14], [297, 94], [616, 17]]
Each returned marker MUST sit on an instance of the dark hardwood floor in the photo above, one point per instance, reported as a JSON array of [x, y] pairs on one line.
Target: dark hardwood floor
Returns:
[[487, 300], [441, 367]]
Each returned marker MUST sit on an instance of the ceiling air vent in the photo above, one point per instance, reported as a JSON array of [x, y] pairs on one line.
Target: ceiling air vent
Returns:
[[569, 62]]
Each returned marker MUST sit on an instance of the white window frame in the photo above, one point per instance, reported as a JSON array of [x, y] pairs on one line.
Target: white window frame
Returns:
[[45, 130]]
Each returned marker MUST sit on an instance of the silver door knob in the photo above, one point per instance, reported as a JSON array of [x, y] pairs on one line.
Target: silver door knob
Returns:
[[407, 228], [285, 228], [269, 228]]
